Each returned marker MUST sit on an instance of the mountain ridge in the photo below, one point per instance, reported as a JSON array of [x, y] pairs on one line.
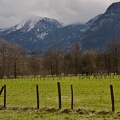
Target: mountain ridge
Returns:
[[104, 29], [41, 33]]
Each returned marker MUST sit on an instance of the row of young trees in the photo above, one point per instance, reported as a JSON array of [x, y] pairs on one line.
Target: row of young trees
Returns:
[[15, 62]]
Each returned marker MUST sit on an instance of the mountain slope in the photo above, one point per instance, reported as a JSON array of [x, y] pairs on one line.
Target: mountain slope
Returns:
[[39, 34], [104, 29], [65, 36], [6, 46], [29, 33]]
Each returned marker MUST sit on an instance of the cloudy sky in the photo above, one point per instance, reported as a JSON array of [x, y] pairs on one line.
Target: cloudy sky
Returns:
[[67, 11]]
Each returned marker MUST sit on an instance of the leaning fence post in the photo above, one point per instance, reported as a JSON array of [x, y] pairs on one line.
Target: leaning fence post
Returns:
[[4, 96], [59, 95], [71, 97], [1, 90], [37, 95], [112, 98]]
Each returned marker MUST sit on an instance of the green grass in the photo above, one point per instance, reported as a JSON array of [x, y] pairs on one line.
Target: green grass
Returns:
[[90, 94]]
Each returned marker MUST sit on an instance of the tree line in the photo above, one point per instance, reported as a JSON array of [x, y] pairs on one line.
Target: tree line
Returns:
[[15, 62]]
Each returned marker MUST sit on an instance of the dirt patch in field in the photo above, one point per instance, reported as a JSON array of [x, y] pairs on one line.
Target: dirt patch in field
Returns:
[[19, 108], [118, 113], [49, 109], [2, 107], [104, 112], [81, 111], [85, 111], [66, 111], [29, 108]]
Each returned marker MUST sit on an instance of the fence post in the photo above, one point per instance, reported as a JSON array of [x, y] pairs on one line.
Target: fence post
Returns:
[[71, 97], [37, 95], [4, 96], [1, 90], [112, 98], [59, 95]]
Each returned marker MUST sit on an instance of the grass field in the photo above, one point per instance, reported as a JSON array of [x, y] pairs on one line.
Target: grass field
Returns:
[[89, 95]]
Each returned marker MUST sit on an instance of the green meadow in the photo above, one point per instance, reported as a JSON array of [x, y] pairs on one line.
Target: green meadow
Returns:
[[91, 96]]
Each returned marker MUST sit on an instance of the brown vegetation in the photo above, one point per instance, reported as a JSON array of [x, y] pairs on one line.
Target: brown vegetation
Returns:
[[15, 62]]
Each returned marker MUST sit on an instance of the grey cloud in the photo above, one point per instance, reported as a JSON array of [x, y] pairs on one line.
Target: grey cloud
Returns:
[[67, 11]]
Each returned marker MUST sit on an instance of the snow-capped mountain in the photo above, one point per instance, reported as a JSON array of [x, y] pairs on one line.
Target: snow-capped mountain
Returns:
[[29, 24], [65, 36], [29, 33], [42, 33], [39, 34]]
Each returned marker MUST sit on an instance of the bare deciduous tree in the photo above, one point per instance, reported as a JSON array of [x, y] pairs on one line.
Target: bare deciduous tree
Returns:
[[113, 50], [52, 60], [76, 57]]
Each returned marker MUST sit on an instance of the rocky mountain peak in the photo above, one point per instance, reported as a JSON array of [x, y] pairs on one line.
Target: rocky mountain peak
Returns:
[[114, 8], [34, 21]]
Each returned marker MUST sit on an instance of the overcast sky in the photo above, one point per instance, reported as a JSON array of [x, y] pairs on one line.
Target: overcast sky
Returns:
[[67, 11]]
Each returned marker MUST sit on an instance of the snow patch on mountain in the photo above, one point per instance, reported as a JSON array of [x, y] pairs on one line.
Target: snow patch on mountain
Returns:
[[42, 35], [19, 26], [30, 23]]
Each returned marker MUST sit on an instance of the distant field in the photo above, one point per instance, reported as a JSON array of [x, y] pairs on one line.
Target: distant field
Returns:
[[90, 94]]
